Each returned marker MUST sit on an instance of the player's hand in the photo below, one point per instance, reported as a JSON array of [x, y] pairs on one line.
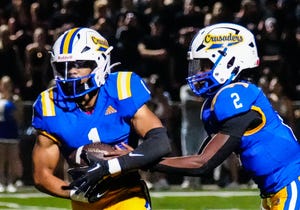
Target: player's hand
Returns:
[[86, 178], [99, 190], [93, 194], [124, 150], [78, 196]]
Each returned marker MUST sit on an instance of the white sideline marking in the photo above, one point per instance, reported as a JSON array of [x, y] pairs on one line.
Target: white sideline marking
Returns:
[[24, 195], [228, 209], [22, 207], [204, 193], [153, 194]]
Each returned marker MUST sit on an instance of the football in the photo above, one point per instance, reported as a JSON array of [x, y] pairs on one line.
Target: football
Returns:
[[97, 150]]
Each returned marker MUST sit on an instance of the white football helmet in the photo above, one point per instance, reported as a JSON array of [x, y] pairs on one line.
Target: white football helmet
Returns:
[[227, 49], [80, 48]]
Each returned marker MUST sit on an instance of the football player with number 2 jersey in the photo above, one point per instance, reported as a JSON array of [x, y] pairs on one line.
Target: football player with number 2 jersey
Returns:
[[87, 105], [239, 118]]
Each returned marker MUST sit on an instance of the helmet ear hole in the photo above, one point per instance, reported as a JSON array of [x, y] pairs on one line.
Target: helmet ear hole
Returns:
[[230, 62], [85, 49], [252, 44]]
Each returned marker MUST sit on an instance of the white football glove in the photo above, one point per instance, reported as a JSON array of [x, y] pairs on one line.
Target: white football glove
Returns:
[[79, 196]]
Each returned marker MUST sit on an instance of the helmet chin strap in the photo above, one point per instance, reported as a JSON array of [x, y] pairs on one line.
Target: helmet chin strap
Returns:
[[84, 101], [217, 88], [229, 79]]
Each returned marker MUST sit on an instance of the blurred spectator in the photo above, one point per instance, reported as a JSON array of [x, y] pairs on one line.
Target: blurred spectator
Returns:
[[290, 72], [70, 13], [10, 118], [192, 130], [127, 6], [101, 9], [20, 26], [153, 8], [294, 61], [128, 36], [179, 63], [270, 8], [41, 12], [157, 8], [248, 15], [37, 65], [153, 50], [103, 21], [208, 19], [3, 17], [270, 46], [221, 12], [20, 11], [190, 16], [281, 103], [11, 63], [160, 99], [263, 83]]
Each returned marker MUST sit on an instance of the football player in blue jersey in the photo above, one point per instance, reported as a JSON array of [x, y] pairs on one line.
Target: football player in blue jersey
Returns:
[[90, 104], [239, 118]]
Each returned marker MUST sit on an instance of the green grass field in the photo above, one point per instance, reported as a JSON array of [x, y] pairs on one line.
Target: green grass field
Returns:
[[166, 200]]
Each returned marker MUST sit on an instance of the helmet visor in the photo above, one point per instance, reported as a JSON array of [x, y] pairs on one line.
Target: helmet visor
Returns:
[[198, 66], [62, 68], [74, 88]]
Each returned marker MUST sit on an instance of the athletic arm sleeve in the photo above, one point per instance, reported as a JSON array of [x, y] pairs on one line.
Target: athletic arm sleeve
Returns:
[[155, 146]]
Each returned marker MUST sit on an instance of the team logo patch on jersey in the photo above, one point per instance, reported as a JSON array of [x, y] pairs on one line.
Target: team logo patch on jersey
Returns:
[[110, 110]]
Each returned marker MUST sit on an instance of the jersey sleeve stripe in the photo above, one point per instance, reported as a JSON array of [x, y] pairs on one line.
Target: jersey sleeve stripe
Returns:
[[261, 125], [123, 85], [47, 103], [49, 136]]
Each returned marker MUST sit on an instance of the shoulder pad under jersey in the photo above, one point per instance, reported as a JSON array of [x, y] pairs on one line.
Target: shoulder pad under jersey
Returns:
[[234, 99]]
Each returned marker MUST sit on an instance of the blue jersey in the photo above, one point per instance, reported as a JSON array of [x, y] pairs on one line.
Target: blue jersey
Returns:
[[119, 99], [270, 152], [8, 123]]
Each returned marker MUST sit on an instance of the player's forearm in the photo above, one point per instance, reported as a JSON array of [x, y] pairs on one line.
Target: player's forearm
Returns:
[[194, 165], [51, 185], [176, 166], [213, 155], [155, 146], [187, 166]]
